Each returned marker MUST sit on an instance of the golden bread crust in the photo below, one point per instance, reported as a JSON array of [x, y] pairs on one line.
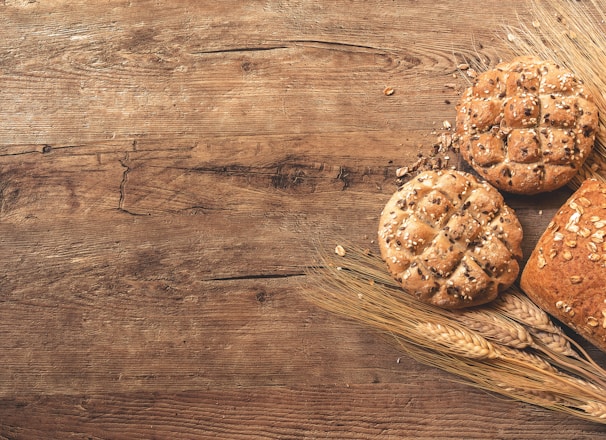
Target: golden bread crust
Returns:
[[450, 240], [526, 126], [566, 272]]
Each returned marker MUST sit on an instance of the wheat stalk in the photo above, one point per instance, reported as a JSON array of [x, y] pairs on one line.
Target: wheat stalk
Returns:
[[474, 345]]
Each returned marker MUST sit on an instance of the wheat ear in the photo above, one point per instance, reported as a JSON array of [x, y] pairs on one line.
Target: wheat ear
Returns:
[[555, 342], [526, 357], [458, 340], [518, 307], [495, 327]]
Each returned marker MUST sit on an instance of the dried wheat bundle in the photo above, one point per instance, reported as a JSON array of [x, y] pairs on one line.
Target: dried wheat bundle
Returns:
[[573, 34], [510, 347]]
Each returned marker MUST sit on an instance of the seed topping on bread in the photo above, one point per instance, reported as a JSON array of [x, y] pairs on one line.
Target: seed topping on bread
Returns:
[[526, 126], [566, 273], [450, 240]]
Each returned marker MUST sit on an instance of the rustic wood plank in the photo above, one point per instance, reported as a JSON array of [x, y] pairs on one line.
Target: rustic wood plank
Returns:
[[331, 412], [166, 171], [208, 68]]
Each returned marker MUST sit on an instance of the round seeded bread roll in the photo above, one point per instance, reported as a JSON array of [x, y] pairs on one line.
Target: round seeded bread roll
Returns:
[[526, 126], [566, 272], [450, 240]]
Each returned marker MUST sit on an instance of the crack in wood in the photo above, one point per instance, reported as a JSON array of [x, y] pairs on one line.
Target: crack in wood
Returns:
[[326, 43], [37, 149], [124, 164], [20, 153], [258, 276], [124, 181], [238, 49], [336, 44]]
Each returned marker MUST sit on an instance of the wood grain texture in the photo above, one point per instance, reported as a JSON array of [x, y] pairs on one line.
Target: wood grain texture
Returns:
[[167, 170]]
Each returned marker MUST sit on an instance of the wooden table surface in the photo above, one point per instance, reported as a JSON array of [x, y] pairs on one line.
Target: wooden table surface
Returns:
[[167, 169]]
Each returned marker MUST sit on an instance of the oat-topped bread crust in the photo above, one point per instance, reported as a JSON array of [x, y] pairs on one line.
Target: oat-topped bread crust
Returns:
[[526, 126], [450, 240], [566, 272]]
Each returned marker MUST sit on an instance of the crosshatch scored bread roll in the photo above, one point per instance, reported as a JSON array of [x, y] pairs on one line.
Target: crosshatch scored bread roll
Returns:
[[526, 126], [450, 240], [566, 272]]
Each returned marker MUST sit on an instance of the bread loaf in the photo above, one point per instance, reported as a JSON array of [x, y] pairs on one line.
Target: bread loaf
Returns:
[[450, 240], [526, 126], [566, 272]]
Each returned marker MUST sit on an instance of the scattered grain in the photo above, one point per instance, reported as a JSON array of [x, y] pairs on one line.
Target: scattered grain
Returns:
[[340, 251], [402, 171], [576, 279]]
